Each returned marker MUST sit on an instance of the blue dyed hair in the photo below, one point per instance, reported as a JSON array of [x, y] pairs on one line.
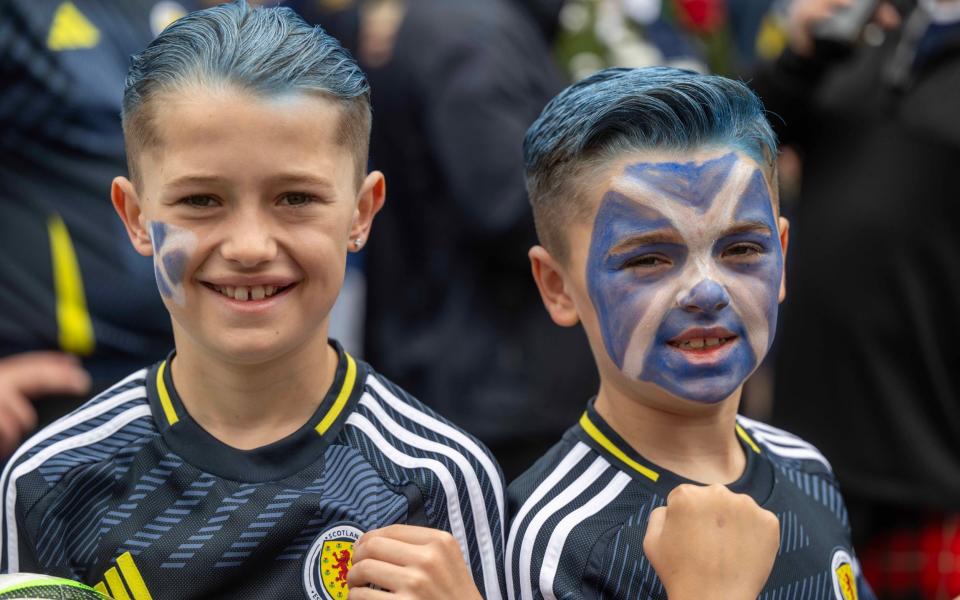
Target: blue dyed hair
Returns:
[[267, 51], [627, 110]]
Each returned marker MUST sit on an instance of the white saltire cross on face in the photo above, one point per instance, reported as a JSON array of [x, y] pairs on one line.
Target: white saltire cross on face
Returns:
[[684, 272]]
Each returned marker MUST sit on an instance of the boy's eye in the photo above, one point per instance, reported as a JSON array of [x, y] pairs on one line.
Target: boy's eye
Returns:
[[297, 199], [199, 201], [646, 261], [742, 250]]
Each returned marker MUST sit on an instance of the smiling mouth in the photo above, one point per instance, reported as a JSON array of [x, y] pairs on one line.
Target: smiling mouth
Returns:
[[245, 293], [702, 344]]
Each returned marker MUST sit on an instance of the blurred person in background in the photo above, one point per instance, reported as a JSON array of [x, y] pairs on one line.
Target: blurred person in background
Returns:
[[868, 363], [77, 309], [717, 36], [453, 315]]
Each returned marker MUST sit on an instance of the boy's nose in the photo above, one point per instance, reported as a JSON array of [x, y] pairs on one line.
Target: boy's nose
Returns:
[[707, 296], [250, 242]]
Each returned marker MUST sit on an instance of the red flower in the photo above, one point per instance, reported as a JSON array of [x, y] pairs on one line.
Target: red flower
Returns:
[[701, 16]]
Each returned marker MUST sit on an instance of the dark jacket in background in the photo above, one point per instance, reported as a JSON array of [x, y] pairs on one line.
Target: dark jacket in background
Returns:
[[869, 367], [62, 69]]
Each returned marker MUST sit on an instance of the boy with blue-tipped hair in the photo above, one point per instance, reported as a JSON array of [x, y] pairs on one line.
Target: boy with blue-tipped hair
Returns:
[[259, 460], [655, 198]]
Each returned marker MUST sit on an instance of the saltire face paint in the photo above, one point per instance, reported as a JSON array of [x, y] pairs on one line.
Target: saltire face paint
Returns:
[[172, 249], [687, 250]]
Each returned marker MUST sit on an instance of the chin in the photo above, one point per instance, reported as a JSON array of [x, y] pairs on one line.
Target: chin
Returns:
[[704, 390], [254, 348], [708, 394]]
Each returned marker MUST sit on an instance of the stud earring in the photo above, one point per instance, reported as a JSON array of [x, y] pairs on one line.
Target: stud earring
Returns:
[[358, 242]]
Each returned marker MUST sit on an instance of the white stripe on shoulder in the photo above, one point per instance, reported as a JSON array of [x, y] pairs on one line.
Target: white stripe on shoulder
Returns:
[[782, 443], [764, 427], [72, 420], [414, 462], [488, 554], [565, 497], [559, 472], [82, 439], [551, 557], [447, 430]]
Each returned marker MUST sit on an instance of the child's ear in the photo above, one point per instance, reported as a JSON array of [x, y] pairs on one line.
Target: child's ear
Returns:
[[784, 242], [370, 200], [127, 204], [554, 289]]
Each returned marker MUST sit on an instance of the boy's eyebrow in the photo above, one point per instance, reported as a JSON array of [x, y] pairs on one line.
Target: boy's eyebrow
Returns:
[[748, 227], [188, 180], [301, 179], [281, 179], [660, 236]]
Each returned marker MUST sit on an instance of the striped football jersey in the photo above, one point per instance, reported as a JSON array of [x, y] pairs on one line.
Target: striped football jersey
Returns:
[[579, 516], [130, 495]]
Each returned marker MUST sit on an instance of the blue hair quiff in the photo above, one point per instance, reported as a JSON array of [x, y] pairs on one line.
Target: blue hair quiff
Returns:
[[621, 110], [269, 51]]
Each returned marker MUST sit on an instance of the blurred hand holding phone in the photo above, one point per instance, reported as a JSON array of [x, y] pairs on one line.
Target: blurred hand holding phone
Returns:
[[839, 22], [846, 24]]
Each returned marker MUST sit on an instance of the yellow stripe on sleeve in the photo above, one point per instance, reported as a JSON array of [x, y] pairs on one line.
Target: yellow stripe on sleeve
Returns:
[[610, 447], [165, 402], [100, 587], [75, 329], [134, 580], [342, 397], [746, 437], [117, 590]]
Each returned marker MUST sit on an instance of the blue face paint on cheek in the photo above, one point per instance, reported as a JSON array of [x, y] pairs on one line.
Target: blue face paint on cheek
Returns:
[[175, 264], [165, 290], [620, 294], [692, 184], [756, 206], [172, 247]]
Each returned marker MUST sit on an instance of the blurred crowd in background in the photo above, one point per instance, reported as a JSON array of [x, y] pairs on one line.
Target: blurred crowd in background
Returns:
[[865, 366]]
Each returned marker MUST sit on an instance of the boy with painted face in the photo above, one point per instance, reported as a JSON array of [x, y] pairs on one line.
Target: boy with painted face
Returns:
[[259, 460], [655, 198]]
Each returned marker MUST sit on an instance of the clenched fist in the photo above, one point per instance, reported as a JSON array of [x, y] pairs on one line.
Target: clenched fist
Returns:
[[709, 543]]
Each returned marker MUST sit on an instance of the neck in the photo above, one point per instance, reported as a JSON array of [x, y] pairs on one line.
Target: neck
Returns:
[[698, 444], [248, 406]]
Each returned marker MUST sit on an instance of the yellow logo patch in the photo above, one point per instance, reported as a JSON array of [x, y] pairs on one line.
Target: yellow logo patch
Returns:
[[328, 561], [336, 558], [844, 577], [848, 583], [70, 30]]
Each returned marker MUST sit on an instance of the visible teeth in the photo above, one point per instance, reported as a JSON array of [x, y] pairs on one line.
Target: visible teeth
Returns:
[[243, 293], [698, 343]]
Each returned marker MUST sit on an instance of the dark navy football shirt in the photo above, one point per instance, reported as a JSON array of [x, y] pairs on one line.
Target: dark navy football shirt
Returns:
[[129, 494], [579, 516]]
